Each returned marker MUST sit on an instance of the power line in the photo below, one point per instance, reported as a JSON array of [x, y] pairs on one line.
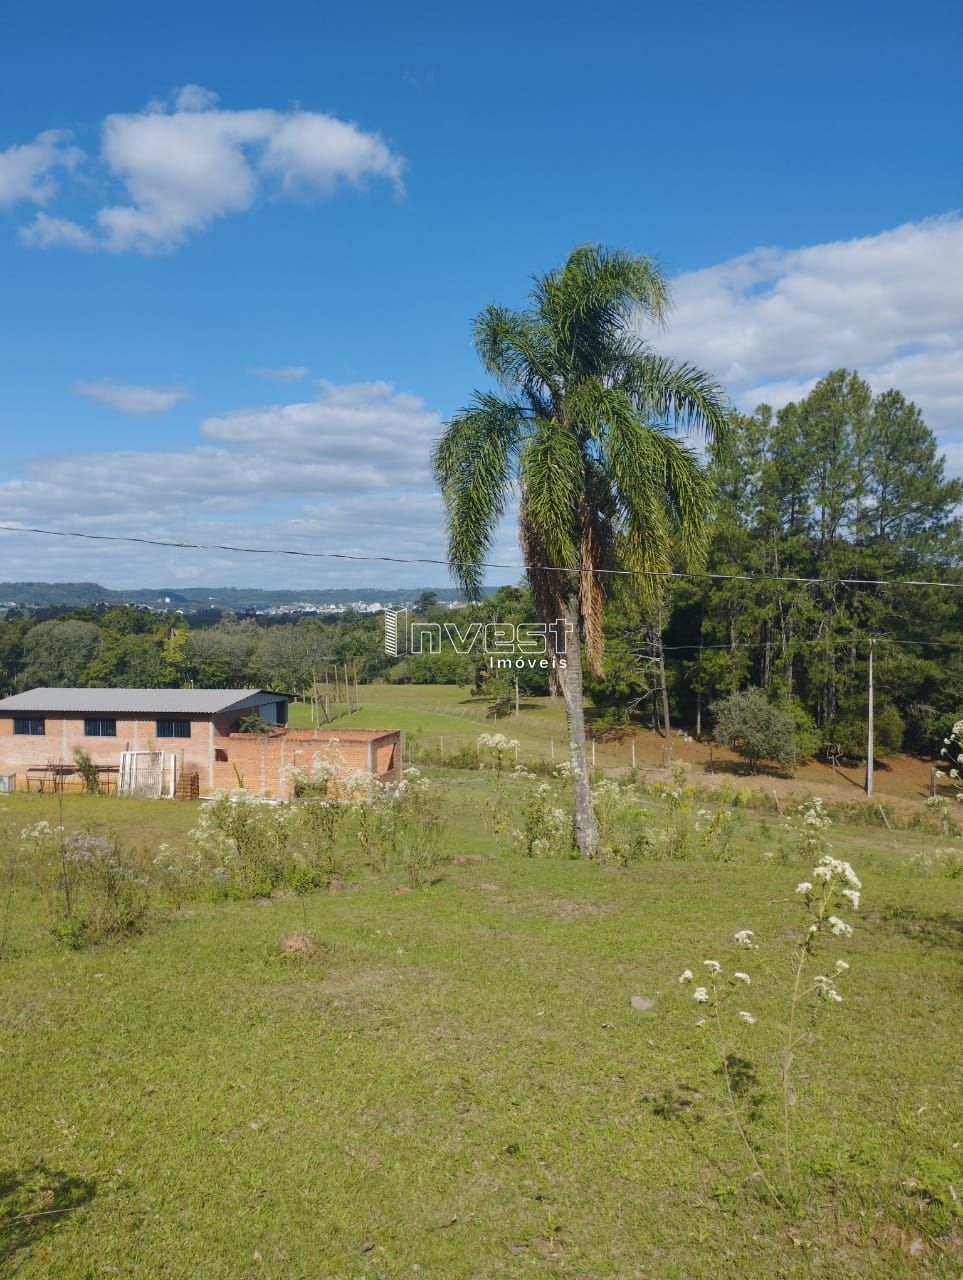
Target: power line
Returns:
[[844, 640], [482, 564]]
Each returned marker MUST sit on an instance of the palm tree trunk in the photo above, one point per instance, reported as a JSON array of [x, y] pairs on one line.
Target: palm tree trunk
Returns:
[[586, 832], [666, 726]]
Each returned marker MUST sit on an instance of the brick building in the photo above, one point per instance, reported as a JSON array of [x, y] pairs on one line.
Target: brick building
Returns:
[[198, 727]]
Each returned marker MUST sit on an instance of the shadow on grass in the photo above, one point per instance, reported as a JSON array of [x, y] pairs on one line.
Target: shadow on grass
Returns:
[[677, 1102], [744, 1083], [941, 930], [34, 1202], [741, 769]]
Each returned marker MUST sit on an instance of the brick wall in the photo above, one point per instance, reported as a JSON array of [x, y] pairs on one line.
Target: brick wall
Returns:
[[19, 752], [261, 762]]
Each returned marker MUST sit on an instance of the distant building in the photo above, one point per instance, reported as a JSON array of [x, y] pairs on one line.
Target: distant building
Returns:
[[198, 728]]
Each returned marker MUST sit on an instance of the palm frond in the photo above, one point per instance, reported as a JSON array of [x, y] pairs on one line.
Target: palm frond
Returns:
[[550, 588], [552, 473], [677, 395], [474, 462], [515, 349], [689, 499], [592, 404], [663, 491], [590, 301]]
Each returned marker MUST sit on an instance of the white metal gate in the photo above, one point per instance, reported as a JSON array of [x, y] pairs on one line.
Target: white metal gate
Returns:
[[147, 773]]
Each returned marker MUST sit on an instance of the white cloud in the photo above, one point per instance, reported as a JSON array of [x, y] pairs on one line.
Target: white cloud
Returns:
[[193, 97], [27, 171], [46, 232], [347, 471], [131, 399], [180, 167], [310, 152], [770, 323], [290, 373], [353, 422]]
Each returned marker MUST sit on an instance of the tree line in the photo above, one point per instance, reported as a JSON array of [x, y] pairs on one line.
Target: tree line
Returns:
[[846, 493], [127, 647]]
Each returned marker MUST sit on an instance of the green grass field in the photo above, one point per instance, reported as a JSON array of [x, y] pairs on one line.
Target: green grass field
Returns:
[[448, 715], [457, 1084]]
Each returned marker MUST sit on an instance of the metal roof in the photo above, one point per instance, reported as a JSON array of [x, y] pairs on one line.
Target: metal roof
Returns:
[[202, 702]]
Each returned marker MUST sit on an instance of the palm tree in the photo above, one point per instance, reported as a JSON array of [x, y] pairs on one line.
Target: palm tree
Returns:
[[584, 434]]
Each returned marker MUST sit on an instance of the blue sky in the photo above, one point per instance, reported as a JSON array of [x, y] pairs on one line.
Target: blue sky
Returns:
[[340, 189]]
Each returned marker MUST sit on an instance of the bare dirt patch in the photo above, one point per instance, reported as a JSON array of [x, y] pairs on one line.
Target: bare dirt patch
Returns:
[[300, 946], [569, 909]]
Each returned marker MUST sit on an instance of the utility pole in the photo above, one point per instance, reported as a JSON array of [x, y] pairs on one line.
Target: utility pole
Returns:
[[870, 741]]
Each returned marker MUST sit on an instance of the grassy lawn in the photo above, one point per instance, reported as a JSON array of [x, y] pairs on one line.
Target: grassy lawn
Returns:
[[432, 712], [457, 1084]]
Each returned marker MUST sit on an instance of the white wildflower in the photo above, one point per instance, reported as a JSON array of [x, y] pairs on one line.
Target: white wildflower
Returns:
[[853, 896], [849, 875], [746, 1017], [700, 995], [713, 966], [742, 977], [825, 988], [685, 976], [830, 867], [804, 886], [839, 927], [841, 966], [744, 938]]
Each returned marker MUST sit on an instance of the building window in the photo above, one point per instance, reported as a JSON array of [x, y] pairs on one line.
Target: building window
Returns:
[[173, 728], [29, 725], [100, 728]]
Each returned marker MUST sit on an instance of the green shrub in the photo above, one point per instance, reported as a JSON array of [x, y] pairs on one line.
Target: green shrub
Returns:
[[87, 770], [243, 842], [805, 732], [847, 733], [253, 722], [92, 885], [755, 728]]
